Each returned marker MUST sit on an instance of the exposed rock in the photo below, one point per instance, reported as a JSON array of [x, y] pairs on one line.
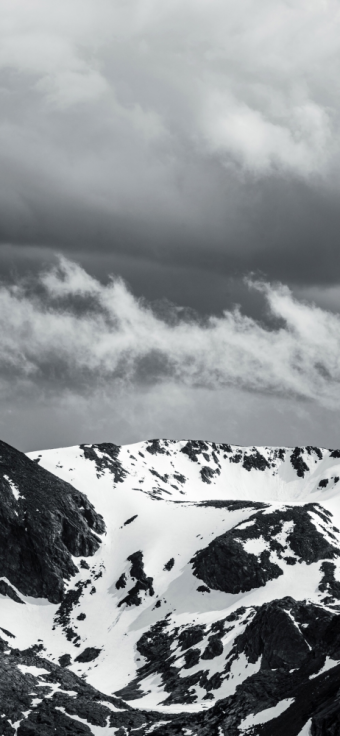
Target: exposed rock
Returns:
[[328, 583], [191, 657], [105, 457], [179, 477], [169, 565], [208, 474], [316, 450], [155, 448], [274, 636], [226, 565], [58, 712], [88, 655], [129, 521], [41, 529], [190, 636], [70, 601], [298, 462], [121, 582], [233, 505], [64, 660], [143, 583], [8, 591], [213, 649], [255, 461], [193, 448]]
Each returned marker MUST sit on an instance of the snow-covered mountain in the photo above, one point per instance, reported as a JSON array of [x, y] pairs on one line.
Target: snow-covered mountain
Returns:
[[170, 588]]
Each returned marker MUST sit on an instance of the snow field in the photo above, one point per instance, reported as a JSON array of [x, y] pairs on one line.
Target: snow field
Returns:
[[170, 523]]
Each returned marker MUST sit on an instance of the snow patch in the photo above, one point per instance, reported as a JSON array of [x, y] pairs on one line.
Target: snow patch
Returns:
[[306, 731], [265, 715], [15, 490], [254, 546], [32, 670], [329, 664]]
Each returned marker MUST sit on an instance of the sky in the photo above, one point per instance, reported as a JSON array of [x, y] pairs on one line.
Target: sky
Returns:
[[169, 221]]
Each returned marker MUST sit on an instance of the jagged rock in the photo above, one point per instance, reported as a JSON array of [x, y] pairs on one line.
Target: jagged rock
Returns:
[[121, 582], [143, 583], [298, 463], [42, 525], [255, 461], [213, 649], [226, 564], [191, 657], [169, 565], [274, 636], [190, 636], [155, 447], [105, 457], [328, 583], [129, 521], [8, 591], [88, 655], [208, 474], [64, 660]]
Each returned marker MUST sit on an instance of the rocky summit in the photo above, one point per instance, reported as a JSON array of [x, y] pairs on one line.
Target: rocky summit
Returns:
[[170, 588]]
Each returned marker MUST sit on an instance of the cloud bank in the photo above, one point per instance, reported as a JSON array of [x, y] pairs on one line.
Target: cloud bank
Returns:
[[65, 332], [249, 82], [151, 130]]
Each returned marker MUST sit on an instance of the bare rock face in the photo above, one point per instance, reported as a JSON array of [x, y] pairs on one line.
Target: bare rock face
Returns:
[[66, 704], [43, 522], [143, 582], [105, 457], [274, 636], [227, 565]]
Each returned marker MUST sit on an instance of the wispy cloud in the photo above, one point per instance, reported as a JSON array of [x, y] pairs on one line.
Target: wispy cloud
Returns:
[[66, 331]]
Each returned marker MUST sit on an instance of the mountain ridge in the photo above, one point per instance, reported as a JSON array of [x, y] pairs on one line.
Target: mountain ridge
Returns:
[[202, 595]]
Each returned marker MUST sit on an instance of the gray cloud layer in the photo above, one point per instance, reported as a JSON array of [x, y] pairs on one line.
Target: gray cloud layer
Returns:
[[199, 134], [82, 362], [69, 333]]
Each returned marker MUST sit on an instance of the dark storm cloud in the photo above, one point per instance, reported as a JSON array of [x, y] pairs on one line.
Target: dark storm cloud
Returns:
[[188, 136]]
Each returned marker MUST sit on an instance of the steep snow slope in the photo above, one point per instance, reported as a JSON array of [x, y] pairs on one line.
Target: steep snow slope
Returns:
[[210, 603]]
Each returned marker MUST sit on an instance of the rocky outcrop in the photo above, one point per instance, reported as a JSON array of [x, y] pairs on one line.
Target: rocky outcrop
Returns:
[[227, 563], [44, 699], [44, 521], [105, 458], [143, 582]]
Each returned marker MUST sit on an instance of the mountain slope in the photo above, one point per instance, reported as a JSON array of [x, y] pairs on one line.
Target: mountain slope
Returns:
[[197, 589]]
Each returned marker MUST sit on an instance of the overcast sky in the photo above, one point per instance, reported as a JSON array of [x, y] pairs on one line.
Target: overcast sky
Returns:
[[169, 221]]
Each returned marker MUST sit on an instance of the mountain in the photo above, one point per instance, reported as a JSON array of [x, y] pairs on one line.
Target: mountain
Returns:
[[170, 588]]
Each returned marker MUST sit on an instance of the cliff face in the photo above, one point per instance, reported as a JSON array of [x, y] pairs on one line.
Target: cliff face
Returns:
[[170, 588], [43, 523]]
